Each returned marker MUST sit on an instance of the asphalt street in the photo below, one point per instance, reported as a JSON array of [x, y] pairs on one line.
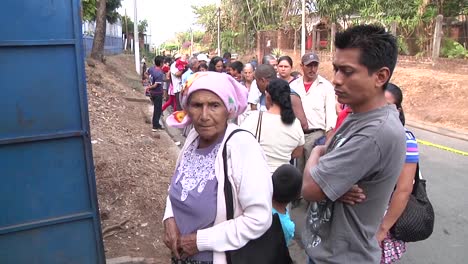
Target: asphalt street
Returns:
[[447, 186]]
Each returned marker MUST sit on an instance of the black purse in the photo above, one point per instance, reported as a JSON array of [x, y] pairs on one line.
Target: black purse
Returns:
[[416, 223], [270, 248]]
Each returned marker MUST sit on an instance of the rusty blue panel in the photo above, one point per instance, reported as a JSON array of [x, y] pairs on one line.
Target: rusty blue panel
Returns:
[[40, 245], [48, 194]]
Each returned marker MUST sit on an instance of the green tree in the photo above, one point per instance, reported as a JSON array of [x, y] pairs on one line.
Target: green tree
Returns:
[[90, 9]]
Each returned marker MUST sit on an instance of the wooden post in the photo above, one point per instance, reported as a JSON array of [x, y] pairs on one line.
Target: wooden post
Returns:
[[437, 37], [332, 38], [314, 38], [259, 46], [278, 38], [393, 27]]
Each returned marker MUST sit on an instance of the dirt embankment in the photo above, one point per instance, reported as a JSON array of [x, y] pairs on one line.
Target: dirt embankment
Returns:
[[133, 165]]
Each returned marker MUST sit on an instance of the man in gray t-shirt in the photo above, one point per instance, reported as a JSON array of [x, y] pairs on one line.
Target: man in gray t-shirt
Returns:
[[368, 150]]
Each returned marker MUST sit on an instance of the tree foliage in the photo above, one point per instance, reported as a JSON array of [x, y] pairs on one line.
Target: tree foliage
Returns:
[[241, 19], [90, 9]]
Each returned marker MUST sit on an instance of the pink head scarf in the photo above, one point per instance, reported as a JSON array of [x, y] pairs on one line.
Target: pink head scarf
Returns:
[[231, 92]]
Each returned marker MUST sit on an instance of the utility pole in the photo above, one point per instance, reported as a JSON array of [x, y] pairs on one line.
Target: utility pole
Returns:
[[191, 41], [136, 39], [303, 31], [219, 25], [126, 30]]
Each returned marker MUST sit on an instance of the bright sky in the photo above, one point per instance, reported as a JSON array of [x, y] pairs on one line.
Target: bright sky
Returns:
[[165, 17]]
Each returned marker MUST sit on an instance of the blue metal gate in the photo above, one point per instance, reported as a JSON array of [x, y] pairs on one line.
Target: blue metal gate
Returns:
[[48, 202]]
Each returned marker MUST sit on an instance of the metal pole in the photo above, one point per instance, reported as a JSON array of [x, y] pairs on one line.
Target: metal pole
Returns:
[[219, 38], [136, 39], [191, 42], [303, 31]]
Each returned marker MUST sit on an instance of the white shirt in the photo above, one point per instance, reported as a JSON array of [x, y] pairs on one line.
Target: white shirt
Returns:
[[176, 81], [277, 139], [318, 103], [254, 97]]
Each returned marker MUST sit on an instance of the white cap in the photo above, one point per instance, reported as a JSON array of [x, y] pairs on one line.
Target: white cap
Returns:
[[203, 57]]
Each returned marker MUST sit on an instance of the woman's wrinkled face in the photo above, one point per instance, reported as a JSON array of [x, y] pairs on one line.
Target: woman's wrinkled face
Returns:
[[209, 116], [248, 74]]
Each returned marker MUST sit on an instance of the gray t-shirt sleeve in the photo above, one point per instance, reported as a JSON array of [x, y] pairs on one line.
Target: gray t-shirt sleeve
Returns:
[[342, 167]]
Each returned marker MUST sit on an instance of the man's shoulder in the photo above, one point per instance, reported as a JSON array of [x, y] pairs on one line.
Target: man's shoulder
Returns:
[[323, 81]]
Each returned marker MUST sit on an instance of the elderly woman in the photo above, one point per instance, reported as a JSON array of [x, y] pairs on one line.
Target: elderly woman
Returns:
[[195, 222]]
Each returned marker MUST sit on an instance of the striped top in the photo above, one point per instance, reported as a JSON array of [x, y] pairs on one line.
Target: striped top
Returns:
[[412, 153]]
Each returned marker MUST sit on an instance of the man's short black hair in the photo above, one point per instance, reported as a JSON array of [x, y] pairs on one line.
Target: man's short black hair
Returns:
[[158, 61], [227, 55], [265, 71], [378, 47], [237, 66]]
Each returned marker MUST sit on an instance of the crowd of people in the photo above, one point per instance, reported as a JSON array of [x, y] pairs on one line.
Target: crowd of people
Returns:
[[327, 156]]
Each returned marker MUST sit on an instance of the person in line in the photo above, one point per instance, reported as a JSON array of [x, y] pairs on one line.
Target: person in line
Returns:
[[368, 150], [284, 67], [227, 58], [203, 59], [263, 75], [318, 102], [393, 249], [203, 67], [280, 132], [193, 64], [248, 75], [285, 64], [196, 229], [216, 64], [176, 78], [236, 70], [156, 91], [287, 183]]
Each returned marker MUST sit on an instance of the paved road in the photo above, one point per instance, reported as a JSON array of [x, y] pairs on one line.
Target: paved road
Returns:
[[447, 186], [447, 176]]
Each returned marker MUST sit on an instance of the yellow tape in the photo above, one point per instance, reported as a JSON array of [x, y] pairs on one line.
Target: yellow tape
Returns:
[[427, 143]]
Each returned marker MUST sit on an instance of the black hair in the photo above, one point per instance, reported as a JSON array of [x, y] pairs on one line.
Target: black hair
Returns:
[[378, 47], [238, 66], [398, 96], [286, 58], [227, 55], [267, 58], [167, 60], [287, 183], [280, 94], [158, 61], [265, 71], [203, 65], [213, 62]]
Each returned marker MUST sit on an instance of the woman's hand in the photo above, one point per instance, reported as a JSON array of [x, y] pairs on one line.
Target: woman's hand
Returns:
[[381, 235], [353, 196], [172, 236], [188, 245]]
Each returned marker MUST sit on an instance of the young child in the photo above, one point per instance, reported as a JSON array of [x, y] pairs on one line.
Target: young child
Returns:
[[287, 184], [181, 63]]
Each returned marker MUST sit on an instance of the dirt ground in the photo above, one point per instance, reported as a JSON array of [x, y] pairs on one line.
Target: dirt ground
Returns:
[[134, 165]]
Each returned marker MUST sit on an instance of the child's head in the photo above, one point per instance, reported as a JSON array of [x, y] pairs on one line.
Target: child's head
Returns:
[[287, 183]]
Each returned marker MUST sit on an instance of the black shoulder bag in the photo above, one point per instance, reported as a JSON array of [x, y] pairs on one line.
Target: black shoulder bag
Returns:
[[270, 248], [416, 223]]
